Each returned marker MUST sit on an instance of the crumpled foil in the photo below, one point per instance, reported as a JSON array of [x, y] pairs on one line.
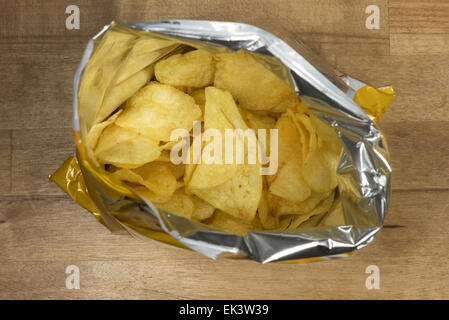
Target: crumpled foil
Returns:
[[363, 173]]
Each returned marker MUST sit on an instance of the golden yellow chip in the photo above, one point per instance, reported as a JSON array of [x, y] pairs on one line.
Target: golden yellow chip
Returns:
[[203, 210], [289, 182], [155, 176], [336, 215], [118, 94], [200, 99], [282, 206], [297, 220], [250, 83], [192, 69], [179, 204], [125, 148], [320, 170], [158, 109], [225, 222], [97, 129], [233, 188], [327, 134], [266, 216], [208, 175]]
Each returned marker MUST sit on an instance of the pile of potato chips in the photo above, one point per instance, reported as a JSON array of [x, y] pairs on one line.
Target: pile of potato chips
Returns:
[[139, 105]]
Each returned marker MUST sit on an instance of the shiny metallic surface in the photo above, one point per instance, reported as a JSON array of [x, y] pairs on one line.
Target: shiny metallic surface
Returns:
[[363, 172]]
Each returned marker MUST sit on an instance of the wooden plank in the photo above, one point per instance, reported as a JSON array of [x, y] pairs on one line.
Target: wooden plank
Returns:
[[340, 28], [39, 244], [419, 154], [419, 44], [416, 16], [36, 95], [5, 161], [31, 51], [36, 154], [421, 83], [419, 27]]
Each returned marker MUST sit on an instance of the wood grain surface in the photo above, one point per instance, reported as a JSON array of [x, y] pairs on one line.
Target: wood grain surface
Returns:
[[42, 231]]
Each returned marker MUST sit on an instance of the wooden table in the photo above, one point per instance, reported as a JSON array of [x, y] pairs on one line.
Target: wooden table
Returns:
[[42, 231]]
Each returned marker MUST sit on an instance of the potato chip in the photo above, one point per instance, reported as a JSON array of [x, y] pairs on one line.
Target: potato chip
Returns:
[[179, 204], [97, 129], [176, 169], [282, 206], [149, 195], [213, 174], [250, 83], [155, 176], [125, 148], [157, 109], [143, 53], [200, 98], [233, 188], [257, 121], [202, 210], [192, 69], [225, 222], [118, 94], [158, 177], [336, 216], [289, 183], [327, 134], [238, 196], [323, 206], [320, 170], [266, 216]]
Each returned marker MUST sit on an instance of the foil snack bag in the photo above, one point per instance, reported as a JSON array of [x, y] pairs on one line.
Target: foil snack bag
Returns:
[[351, 107]]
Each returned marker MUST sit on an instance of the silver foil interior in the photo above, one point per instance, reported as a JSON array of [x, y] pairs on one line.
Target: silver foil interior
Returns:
[[363, 173]]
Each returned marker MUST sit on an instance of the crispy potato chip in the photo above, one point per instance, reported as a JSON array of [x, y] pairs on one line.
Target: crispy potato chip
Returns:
[[225, 222], [155, 176], [164, 156], [192, 69], [282, 207], [211, 175], [179, 204], [239, 196], [257, 121], [157, 109], [336, 216], [267, 218], [97, 129], [250, 83], [199, 96], [327, 134], [320, 170], [304, 121], [118, 94], [297, 220], [143, 53], [176, 169], [149, 195], [233, 188], [125, 148], [289, 183], [203, 210], [290, 102], [158, 177]]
